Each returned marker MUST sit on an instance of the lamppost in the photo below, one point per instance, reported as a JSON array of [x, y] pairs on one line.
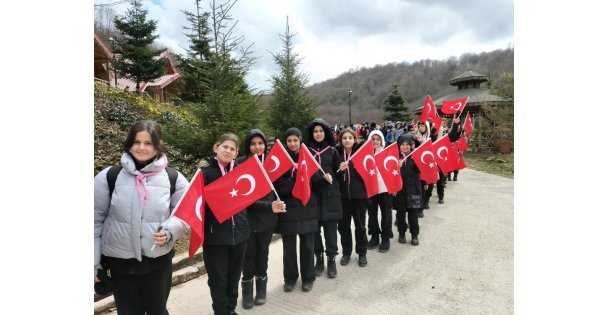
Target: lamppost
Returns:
[[113, 63], [350, 122]]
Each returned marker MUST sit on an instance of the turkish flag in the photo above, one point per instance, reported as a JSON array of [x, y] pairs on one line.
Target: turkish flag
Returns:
[[277, 162], [460, 144], [367, 170], [390, 172], [307, 166], [238, 189], [459, 161], [442, 149], [429, 110], [452, 161], [425, 160], [450, 107], [191, 209], [468, 125], [437, 124]]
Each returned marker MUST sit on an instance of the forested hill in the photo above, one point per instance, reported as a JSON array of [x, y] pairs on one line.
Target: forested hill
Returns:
[[371, 86]]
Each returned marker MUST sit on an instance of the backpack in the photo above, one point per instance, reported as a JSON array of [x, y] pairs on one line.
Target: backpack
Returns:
[[114, 170]]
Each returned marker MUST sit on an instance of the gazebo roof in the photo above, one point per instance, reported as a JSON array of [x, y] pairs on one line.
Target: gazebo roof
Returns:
[[476, 97], [469, 76]]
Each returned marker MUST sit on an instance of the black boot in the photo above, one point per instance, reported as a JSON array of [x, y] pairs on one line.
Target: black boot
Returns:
[[402, 239], [320, 265], [331, 267], [449, 177], [415, 240], [421, 213], [247, 293], [455, 177], [385, 245], [373, 242], [260, 290]]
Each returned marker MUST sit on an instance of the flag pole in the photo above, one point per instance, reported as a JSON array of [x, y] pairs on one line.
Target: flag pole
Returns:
[[177, 205], [364, 143], [267, 178], [312, 158]]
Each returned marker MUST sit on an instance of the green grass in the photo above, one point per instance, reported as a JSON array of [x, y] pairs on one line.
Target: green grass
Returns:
[[493, 163]]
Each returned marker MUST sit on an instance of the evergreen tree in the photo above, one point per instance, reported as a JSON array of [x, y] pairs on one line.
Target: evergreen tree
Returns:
[[394, 106], [137, 60], [290, 105], [195, 65]]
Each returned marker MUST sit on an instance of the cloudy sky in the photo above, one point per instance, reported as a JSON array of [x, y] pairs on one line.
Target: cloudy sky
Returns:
[[336, 36]]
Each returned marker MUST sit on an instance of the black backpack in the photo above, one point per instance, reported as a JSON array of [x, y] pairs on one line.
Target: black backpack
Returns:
[[114, 170]]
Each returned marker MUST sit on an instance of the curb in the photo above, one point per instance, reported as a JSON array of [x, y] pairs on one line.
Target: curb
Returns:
[[184, 269]]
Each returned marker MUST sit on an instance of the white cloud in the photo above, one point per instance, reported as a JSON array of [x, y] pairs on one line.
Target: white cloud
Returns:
[[335, 36]]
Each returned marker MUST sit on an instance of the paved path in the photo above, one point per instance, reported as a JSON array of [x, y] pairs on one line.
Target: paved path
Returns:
[[463, 265]]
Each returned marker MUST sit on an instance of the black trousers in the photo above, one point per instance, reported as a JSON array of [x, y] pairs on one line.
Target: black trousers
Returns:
[[256, 255], [385, 201], [290, 257], [412, 218], [440, 184], [224, 264], [330, 232], [355, 209], [143, 294]]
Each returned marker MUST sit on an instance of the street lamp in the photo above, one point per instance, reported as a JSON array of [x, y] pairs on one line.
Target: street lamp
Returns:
[[350, 122], [114, 63]]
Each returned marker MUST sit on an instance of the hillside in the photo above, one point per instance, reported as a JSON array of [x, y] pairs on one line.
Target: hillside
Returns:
[[370, 86]]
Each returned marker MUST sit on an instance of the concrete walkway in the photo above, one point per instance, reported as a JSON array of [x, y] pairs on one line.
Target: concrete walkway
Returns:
[[463, 265]]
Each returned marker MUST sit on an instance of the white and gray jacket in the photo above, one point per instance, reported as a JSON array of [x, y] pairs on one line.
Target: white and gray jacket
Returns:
[[124, 224]]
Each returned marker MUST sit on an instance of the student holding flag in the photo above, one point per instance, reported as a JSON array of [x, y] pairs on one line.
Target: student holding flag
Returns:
[[321, 144], [262, 217], [409, 199], [132, 234], [354, 197], [301, 219]]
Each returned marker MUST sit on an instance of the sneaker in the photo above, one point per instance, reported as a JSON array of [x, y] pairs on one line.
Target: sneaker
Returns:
[[415, 240], [362, 261], [402, 238], [288, 287], [307, 286], [345, 260], [384, 246], [373, 242]]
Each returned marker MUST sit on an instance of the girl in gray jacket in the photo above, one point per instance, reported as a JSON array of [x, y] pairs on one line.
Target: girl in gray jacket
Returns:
[[132, 233]]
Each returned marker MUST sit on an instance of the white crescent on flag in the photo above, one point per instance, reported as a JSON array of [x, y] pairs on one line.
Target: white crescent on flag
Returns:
[[423, 155], [197, 208], [365, 160], [388, 158], [277, 163], [458, 106], [251, 182], [443, 148], [428, 106]]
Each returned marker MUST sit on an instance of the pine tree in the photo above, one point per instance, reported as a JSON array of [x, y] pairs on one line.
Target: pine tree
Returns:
[[137, 60], [290, 105], [394, 106], [194, 66]]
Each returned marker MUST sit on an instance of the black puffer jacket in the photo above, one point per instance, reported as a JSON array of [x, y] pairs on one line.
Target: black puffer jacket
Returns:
[[330, 202], [260, 215], [410, 196], [232, 231], [298, 219], [351, 183]]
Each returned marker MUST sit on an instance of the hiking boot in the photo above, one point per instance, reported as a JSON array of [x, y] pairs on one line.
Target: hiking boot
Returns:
[[288, 287], [319, 265], [247, 293], [415, 240], [362, 261], [345, 260], [373, 242], [331, 267], [260, 290], [306, 286], [384, 246], [402, 238]]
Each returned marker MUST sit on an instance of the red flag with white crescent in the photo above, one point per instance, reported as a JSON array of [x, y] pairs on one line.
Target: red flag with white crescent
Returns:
[[277, 162], [450, 107], [307, 166], [425, 160], [468, 125], [238, 189], [442, 149], [191, 209], [365, 164], [387, 162], [429, 110]]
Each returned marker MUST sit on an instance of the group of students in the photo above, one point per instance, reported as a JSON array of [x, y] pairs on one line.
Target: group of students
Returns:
[[134, 239]]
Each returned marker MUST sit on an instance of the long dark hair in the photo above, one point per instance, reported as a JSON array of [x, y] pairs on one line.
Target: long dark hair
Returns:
[[153, 128]]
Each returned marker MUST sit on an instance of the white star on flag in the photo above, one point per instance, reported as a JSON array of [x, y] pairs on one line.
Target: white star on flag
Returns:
[[395, 172], [372, 172], [233, 193]]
